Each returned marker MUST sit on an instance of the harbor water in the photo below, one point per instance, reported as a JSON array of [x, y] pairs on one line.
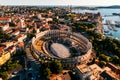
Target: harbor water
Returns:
[[106, 15]]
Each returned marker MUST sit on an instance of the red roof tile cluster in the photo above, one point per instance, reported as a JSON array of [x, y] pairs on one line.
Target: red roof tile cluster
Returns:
[[16, 31], [21, 44], [2, 19], [2, 47]]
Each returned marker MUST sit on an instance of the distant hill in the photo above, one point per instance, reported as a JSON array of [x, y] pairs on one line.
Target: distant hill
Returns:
[[89, 7], [114, 6]]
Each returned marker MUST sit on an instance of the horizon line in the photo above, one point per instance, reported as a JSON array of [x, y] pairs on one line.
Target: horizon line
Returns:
[[56, 5]]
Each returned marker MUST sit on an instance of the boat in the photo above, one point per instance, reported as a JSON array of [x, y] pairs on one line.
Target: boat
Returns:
[[117, 22], [116, 14], [102, 19], [116, 38], [108, 22], [106, 31], [93, 9], [117, 25], [109, 26], [115, 30], [110, 34]]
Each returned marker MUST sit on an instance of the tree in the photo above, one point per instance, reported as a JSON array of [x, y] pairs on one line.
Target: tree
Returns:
[[46, 73], [9, 65], [34, 31], [4, 75], [55, 20], [104, 57], [73, 75], [50, 67], [35, 17], [19, 53], [4, 36], [12, 24], [102, 63], [30, 35], [56, 67], [115, 60]]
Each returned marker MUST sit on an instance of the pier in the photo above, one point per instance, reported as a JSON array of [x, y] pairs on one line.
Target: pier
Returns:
[[110, 25]]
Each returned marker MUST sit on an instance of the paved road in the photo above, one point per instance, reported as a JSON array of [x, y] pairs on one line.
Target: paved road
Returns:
[[32, 66], [29, 55]]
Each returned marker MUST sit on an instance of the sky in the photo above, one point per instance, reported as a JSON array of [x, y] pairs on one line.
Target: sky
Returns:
[[61, 2]]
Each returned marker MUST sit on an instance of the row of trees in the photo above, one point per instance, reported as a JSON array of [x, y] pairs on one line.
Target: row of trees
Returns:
[[12, 24], [4, 36], [48, 68], [7, 67], [14, 62], [80, 26], [103, 59], [107, 49]]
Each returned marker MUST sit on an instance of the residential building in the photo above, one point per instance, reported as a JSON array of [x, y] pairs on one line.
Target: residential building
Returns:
[[109, 75], [9, 31], [91, 72], [12, 49], [5, 56], [114, 68], [2, 47], [4, 20], [8, 44], [16, 32], [21, 37], [111, 72], [22, 23], [4, 26]]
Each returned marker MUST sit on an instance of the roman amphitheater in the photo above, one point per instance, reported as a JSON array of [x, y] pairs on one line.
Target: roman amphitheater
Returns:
[[70, 48]]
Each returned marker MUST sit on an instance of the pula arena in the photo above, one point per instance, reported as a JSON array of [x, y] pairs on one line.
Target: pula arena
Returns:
[[70, 48]]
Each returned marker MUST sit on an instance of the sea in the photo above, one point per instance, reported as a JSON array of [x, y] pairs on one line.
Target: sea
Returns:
[[106, 15]]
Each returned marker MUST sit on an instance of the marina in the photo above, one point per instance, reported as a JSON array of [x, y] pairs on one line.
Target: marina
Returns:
[[110, 25], [112, 28]]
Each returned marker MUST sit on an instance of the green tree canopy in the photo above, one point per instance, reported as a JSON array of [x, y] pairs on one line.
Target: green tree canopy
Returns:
[[4, 75], [116, 59], [46, 73], [56, 66], [102, 63], [104, 57]]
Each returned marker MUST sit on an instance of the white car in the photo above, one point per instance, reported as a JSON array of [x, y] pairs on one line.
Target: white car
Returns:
[[30, 69], [32, 78]]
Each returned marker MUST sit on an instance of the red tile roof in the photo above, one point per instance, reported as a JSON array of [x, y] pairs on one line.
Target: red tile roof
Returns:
[[2, 19], [21, 44], [16, 31], [1, 48], [9, 31]]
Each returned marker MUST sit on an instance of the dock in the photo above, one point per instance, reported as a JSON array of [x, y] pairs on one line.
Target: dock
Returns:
[[110, 25]]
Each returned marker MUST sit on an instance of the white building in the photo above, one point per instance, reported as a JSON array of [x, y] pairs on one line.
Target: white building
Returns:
[[4, 27], [22, 23], [86, 72], [15, 42], [39, 16], [5, 20], [4, 57], [12, 49], [49, 19], [21, 37], [37, 31], [17, 32], [8, 44]]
